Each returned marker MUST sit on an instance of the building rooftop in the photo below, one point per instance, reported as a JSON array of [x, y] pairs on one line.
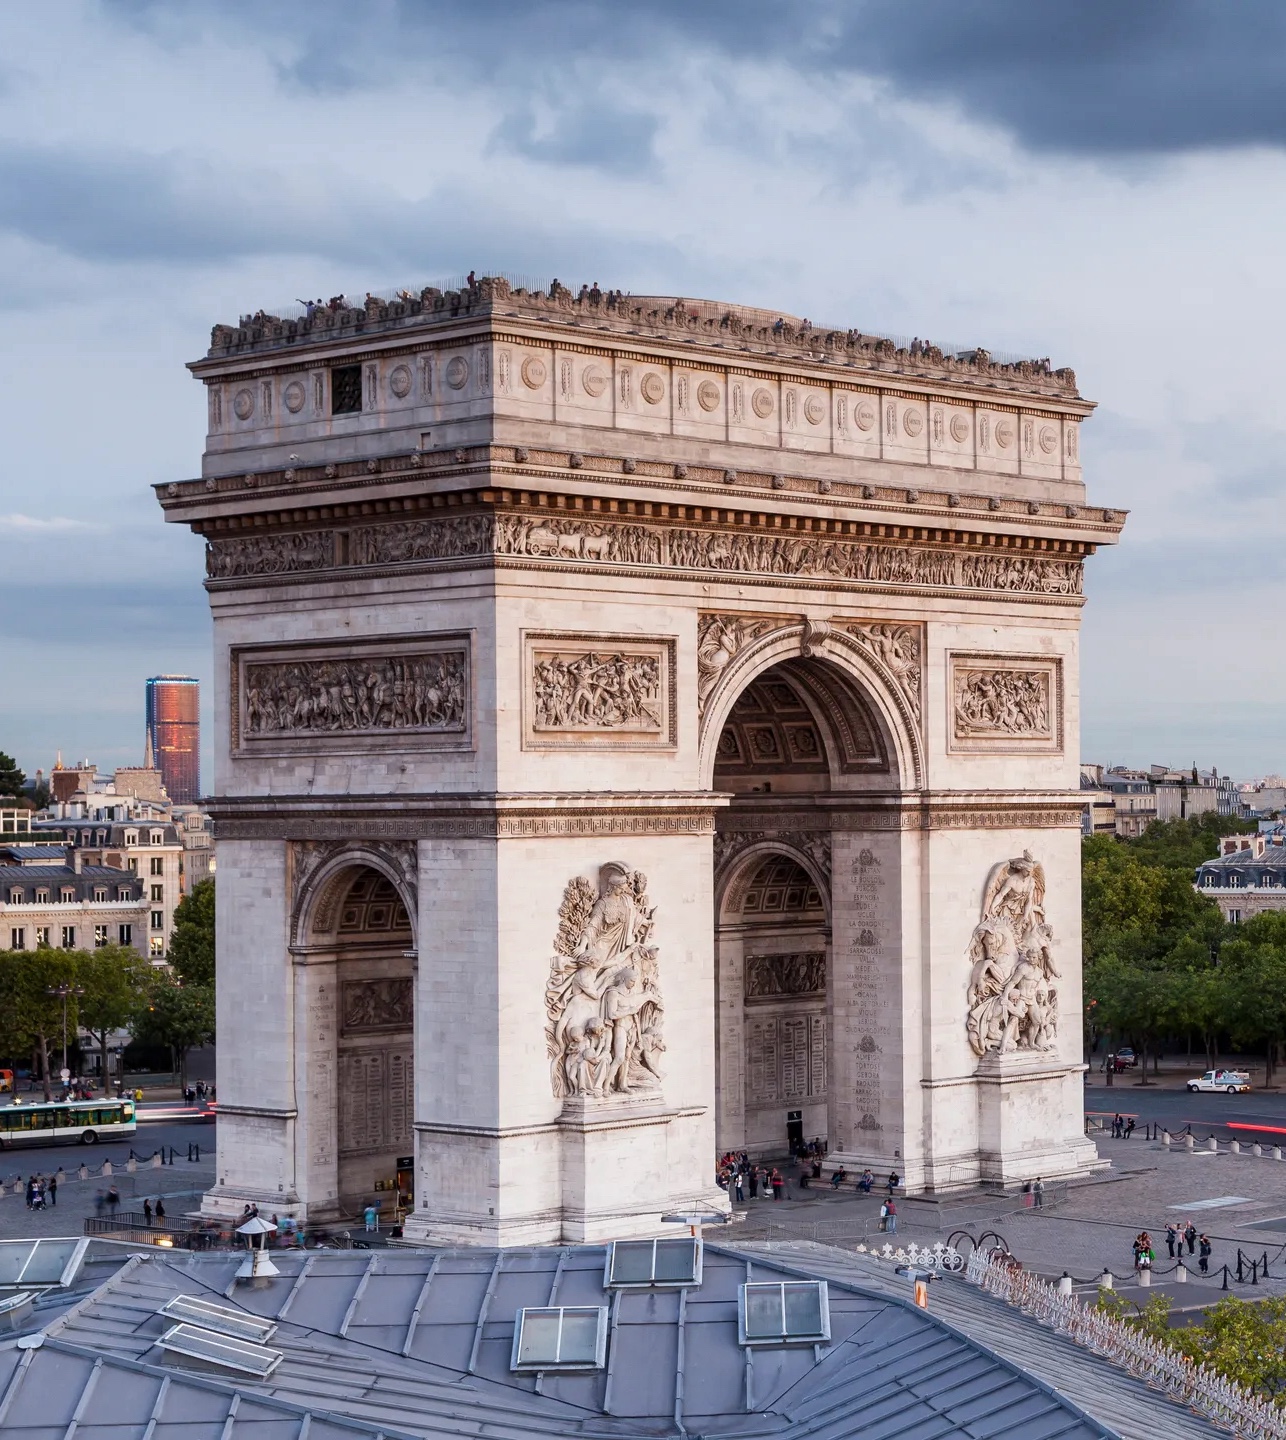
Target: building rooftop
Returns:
[[28, 873], [417, 1343], [735, 327]]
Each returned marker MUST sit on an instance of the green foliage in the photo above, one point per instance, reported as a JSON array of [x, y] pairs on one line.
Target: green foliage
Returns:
[[1244, 1341], [176, 1015], [192, 941], [30, 1018], [11, 778], [113, 980]]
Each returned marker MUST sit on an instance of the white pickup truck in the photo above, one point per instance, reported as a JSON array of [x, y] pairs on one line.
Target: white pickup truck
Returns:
[[1233, 1081]]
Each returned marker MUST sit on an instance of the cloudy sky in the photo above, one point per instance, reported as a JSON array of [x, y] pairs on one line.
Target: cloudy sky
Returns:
[[1099, 182]]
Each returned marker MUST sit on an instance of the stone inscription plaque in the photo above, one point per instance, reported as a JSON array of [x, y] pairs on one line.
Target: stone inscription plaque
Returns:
[[785, 1058], [602, 691], [375, 1100]]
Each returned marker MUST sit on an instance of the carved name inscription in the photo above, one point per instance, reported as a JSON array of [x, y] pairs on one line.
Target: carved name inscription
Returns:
[[597, 692], [372, 1005], [668, 547], [1003, 702], [384, 693], [768, 976]]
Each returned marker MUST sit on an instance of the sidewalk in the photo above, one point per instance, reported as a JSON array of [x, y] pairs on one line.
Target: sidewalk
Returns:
[[183, 1182]]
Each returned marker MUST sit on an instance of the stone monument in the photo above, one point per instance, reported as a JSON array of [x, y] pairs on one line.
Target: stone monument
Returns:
[[646, 727]]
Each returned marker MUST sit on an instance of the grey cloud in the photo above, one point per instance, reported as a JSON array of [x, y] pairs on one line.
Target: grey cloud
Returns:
[[587, 132]]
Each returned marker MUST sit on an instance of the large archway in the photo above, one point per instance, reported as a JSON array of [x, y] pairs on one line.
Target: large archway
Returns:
[[809, 948], [356, 1004]]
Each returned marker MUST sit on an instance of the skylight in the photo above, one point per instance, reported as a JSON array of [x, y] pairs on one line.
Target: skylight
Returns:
[[220, 1318], [653, 1263], [789, 1311], [560, 1338], [208, 1348]]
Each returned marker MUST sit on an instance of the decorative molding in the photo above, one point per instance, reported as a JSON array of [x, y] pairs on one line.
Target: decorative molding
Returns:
[[1012, 1004], [598, 691], [605, 1015], [775, 977], [289, 552], [325, 694], [1009, 704], [371, 829]]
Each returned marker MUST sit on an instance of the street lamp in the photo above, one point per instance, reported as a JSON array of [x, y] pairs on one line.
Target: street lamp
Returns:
[[63, 992]]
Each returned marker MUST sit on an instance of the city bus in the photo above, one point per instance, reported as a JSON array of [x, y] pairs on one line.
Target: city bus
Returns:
[[63, 1122]]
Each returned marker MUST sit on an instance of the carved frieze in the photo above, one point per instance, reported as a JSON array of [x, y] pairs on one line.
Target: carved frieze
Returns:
[[368, 1007], [290, 552], [1006, 703], [602, 542], [604, 1031], [329, 693], [1012, 1002], [769, 977], [605, 691], [900, 650]]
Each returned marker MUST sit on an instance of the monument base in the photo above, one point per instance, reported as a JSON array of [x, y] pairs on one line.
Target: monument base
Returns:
[[1031, 1119]]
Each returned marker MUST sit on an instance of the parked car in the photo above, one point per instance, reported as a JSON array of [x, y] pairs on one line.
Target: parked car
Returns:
[[1126, 1059], [1234, 1082]]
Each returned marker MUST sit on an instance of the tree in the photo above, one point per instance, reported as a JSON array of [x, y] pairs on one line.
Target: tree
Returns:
[[111, 979], [30, 1016], [11, 778], [192, 941], [176, 1015]]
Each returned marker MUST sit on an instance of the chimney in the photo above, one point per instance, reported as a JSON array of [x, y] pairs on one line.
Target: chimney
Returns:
[[74, 859]]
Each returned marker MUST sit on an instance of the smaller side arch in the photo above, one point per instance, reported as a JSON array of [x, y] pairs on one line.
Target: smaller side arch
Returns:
[[734, 874], [324, 883]]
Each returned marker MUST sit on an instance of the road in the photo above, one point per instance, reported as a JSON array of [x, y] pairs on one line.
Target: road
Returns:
[[1257, 1115]]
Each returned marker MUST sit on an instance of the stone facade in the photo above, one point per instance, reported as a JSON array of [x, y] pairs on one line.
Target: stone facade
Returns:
[[687, 681]]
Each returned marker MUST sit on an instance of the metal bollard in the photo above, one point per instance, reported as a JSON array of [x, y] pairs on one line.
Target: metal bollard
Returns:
[[1181, 1274], [1224, 1286]]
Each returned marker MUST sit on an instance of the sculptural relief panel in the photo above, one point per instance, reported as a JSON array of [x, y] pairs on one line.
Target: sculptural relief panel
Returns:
[[324, 695], [1005, 704], [605, 1014], [598, 691]]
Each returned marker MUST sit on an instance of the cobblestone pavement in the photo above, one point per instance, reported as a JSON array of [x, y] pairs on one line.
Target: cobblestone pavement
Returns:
[[181, 1185], [1083, 1228]]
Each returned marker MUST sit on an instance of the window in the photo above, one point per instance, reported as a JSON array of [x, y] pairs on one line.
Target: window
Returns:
[[1234, 917], [345, 389], [42, 897], [133, 863], [69, 937], [158, 894], [560, 1338], [68, 895], [786, 1311], [158, 837], [131, 837], [158, 865], [124, 934], [15, 897], [100, 893], [653, 1262], [100, 936], [122, 893], [158, 920], [42, 935], [17, 939], [156, 946]]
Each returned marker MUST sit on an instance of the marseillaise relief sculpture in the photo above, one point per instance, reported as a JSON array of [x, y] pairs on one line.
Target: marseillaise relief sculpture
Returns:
[[1013, 1004], [602, 997]]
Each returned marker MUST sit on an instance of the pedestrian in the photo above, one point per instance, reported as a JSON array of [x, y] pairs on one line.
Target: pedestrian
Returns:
[[99, 1201], [884, 1214], [1129, 1127], [838, 1178], [778, 1184], [867, 1181], [1038, 1193], [894, 1181], [1190, 1235], [1117, 1126], [147, 1212], [754, 1182], [739, 1187], [113, 1199], [891, 1220], [372, 1217], [51, 1190], [160, 1208], [31, 1191], [1204, 1263], [1172, 1237]]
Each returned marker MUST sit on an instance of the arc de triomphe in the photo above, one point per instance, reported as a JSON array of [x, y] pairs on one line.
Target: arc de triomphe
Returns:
[[645, 728]]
